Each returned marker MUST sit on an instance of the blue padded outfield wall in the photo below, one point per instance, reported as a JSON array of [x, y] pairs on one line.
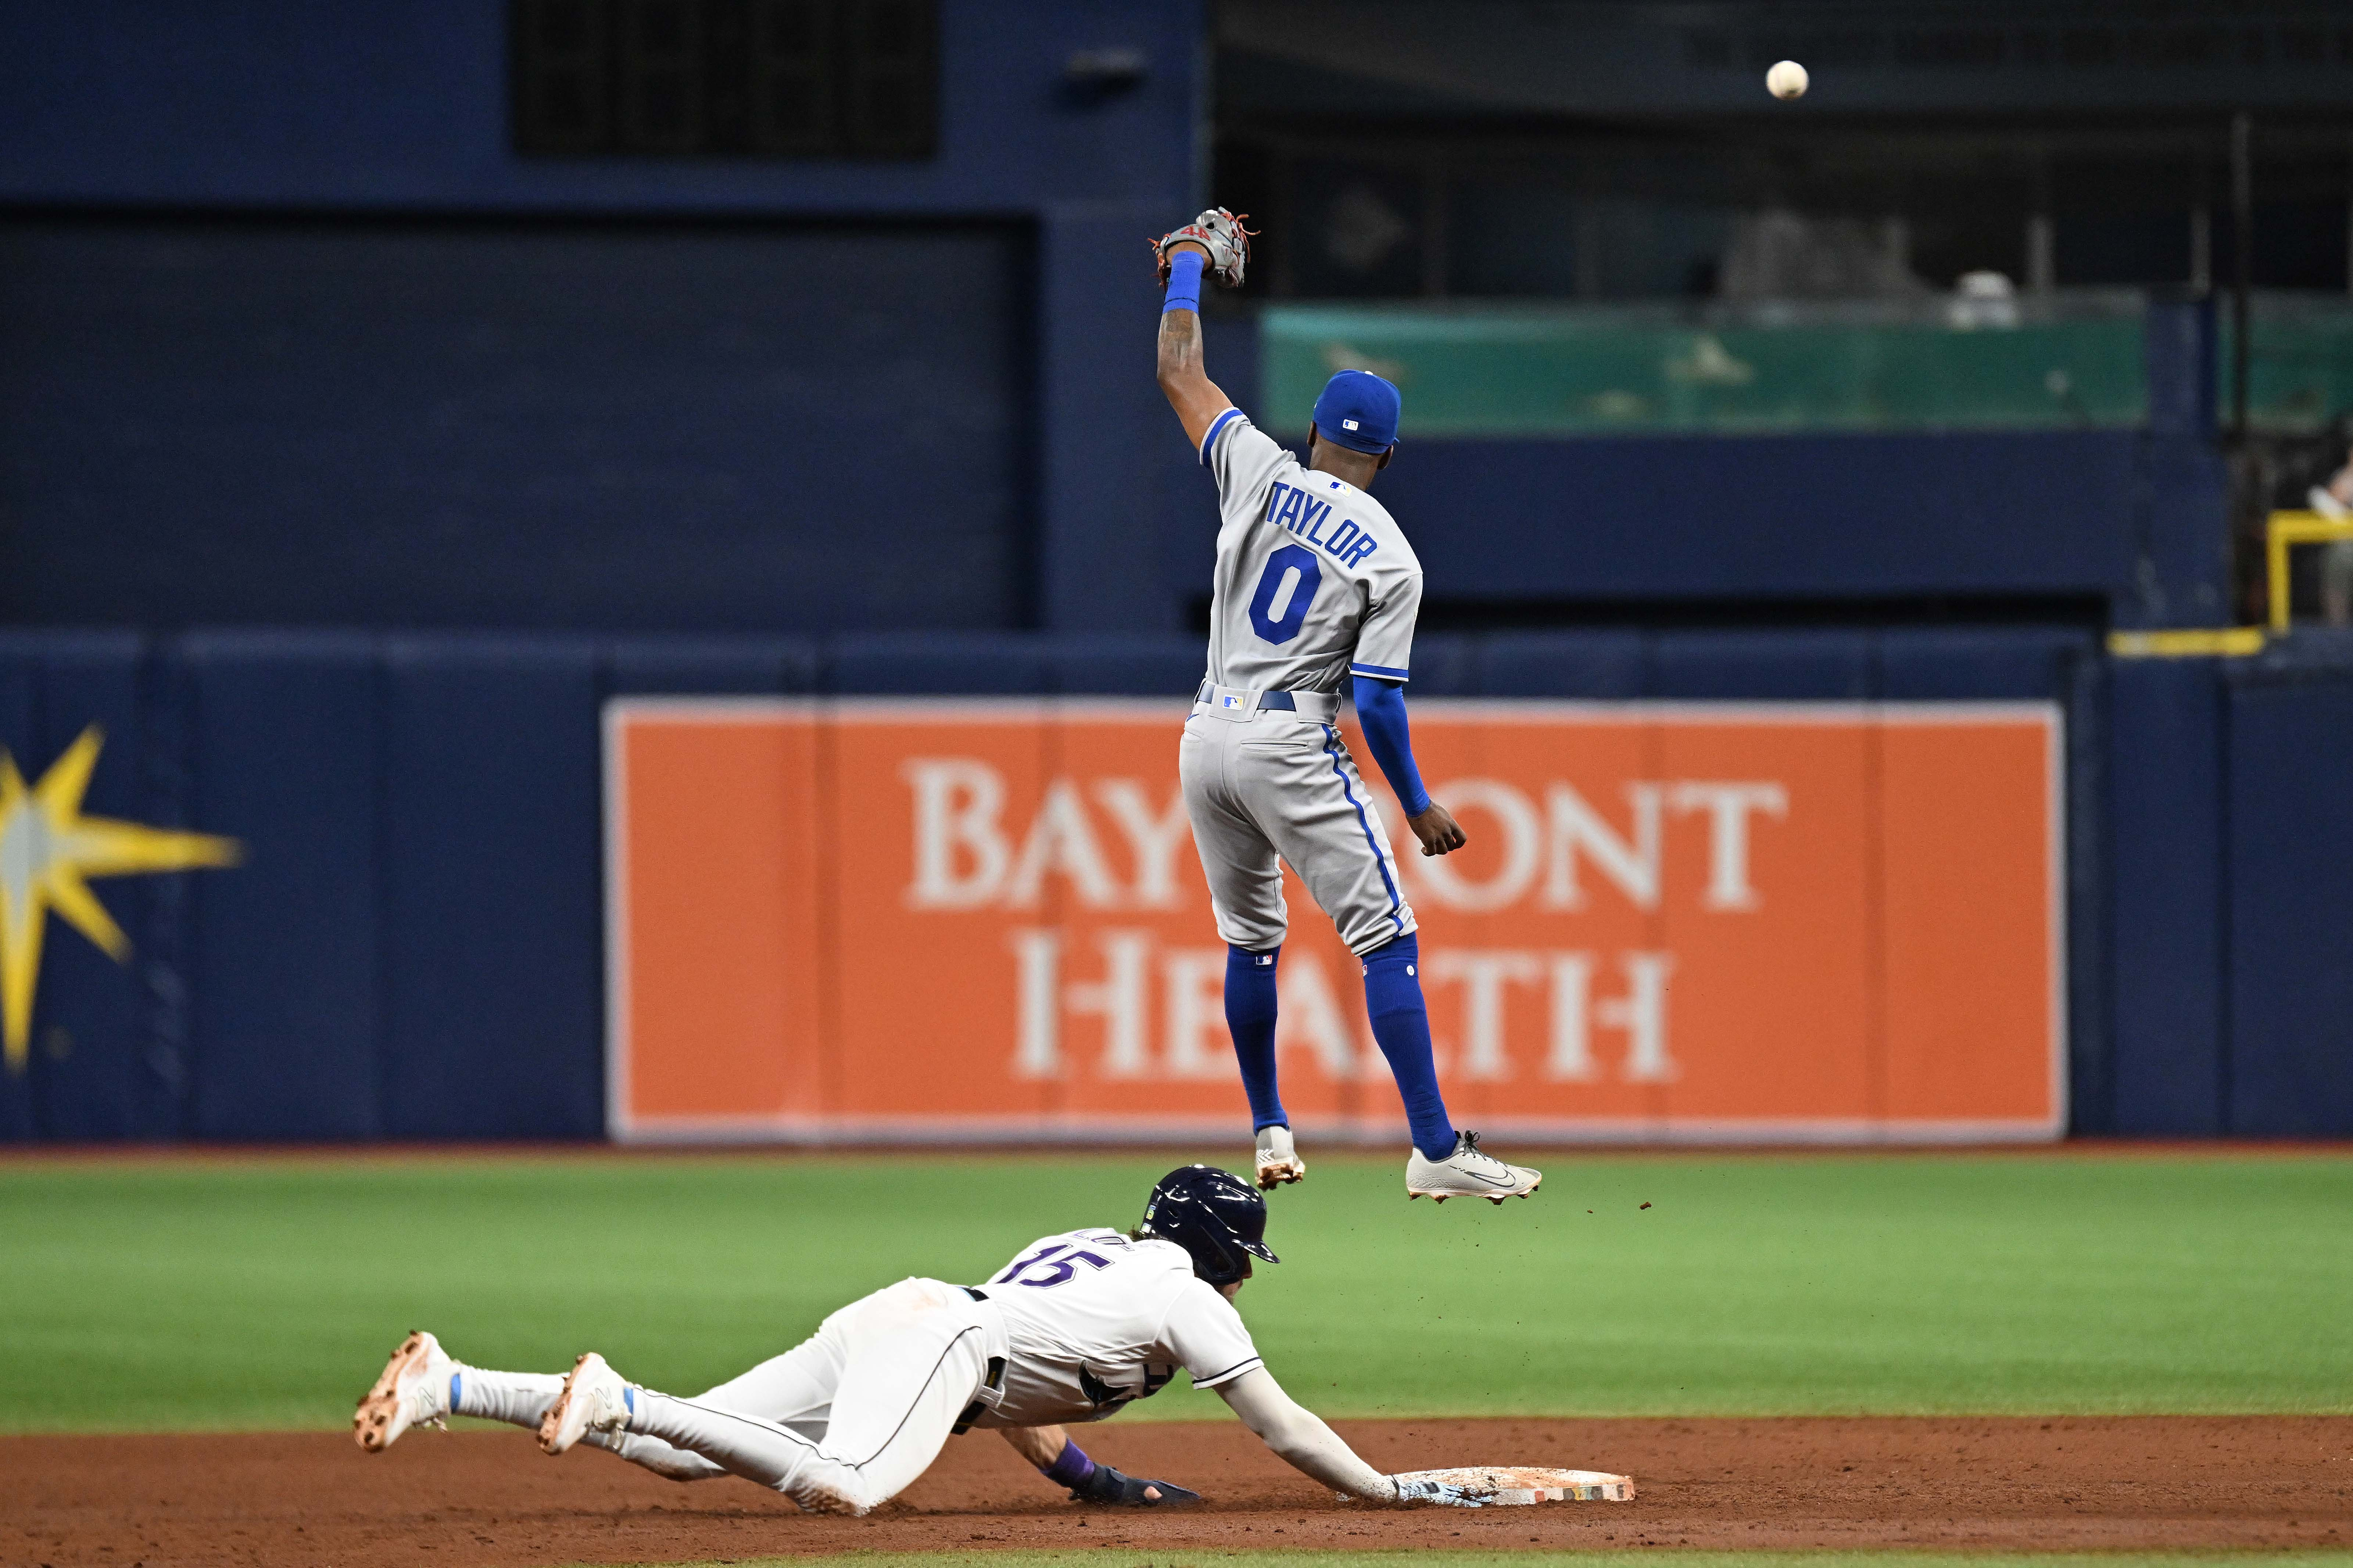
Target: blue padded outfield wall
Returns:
[[413, 946], [2232, 892]]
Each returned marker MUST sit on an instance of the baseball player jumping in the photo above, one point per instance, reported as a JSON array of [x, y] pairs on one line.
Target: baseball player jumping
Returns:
[[1314, 584], [1074, 1328]]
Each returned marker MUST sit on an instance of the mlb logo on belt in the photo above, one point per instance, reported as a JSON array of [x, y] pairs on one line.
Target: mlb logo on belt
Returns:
[[1232, 700]]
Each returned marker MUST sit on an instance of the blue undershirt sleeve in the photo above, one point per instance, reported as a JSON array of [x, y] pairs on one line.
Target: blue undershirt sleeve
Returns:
[[1380, 708]]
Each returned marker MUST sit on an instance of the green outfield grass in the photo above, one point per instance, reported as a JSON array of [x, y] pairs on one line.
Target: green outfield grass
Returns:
[[215, 1293]]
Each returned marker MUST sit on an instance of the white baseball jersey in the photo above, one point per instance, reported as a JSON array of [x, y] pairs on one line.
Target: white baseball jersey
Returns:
[[1093, 1321], [1314, 580]]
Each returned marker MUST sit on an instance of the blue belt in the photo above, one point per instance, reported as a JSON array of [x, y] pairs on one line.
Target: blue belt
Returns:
[[1267, 701]]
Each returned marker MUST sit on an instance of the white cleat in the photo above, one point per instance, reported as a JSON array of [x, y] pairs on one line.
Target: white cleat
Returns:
[[595, 1399], [1469, 1171], [1278, 1162], [413, 1391]]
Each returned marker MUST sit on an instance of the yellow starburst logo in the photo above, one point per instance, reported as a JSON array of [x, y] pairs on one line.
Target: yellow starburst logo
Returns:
[[48, 850]]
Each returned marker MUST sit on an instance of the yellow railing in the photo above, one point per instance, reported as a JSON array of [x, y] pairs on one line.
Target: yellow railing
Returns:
[[2287, 528], [2189, 642]]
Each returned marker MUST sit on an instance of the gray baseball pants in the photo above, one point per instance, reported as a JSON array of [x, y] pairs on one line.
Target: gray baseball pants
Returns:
[[1275, 784]]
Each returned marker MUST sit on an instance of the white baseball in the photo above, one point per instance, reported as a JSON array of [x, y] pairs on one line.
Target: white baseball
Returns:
[[1787, 79]]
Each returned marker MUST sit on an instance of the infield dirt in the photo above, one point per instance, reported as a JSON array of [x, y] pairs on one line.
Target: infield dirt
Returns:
[[486, 1497]]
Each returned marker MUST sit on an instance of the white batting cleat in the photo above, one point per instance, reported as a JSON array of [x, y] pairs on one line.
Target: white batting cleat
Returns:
[[595, 1399], [1469, 1171], [413, 1391], [1278, 1162]]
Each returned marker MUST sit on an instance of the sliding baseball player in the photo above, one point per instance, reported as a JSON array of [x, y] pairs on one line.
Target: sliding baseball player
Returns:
[[1314, 586], [1073, 1329]]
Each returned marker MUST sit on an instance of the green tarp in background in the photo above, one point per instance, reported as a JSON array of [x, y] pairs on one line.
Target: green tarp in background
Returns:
[[2073, 361]]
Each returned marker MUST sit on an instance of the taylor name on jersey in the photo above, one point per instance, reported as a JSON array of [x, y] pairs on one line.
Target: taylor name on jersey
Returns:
[[1306, 514], [1313, 582]]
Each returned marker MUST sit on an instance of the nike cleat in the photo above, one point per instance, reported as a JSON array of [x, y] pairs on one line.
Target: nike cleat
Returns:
[[1278, 1162], [1469, 1171], [413, 1391], [595, 1399]]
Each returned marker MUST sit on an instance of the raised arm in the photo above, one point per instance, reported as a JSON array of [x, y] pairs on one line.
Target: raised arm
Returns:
[[1184, 379], [1215, 243]]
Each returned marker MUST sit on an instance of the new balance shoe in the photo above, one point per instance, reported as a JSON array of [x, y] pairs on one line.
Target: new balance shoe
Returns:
[[1469, 1171], [1278, 1162], [595, 1399], [413, 1391]]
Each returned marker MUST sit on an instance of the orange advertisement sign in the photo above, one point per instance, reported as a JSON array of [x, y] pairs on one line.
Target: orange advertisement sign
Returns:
[[974, 919]]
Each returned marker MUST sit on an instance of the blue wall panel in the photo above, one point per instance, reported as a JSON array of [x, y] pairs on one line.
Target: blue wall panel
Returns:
[[493, 913], [711, 667], [969, 664], [1111, 665], [1741, 516], [2291, 901], [1105, 429], [2091, 956], [1593, 665], [2181, 570], [287, 756], [1762, 667], [1980, 663], [607, 427], [2166, 846], [1444, 665]]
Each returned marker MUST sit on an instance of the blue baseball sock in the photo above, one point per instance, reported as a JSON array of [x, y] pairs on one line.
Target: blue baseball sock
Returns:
[[1401, 1025], [1250, 1017]]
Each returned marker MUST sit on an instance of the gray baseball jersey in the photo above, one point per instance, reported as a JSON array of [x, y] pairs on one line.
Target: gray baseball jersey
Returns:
[[1315, 582]]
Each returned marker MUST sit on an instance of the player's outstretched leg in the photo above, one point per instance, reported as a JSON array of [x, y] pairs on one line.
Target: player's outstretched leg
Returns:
[[1444, 1163], [1245, 879], [905, 1362], [423, 1384], [1249, 1018]]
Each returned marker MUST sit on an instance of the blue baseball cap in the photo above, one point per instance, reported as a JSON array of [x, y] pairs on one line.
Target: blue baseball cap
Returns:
[[1358, 410]]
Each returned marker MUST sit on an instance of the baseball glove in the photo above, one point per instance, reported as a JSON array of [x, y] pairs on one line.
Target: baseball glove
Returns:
[[1219, 232], [1109, 1486]]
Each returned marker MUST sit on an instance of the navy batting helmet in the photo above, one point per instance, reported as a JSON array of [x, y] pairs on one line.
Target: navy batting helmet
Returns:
[[1215, 1215]]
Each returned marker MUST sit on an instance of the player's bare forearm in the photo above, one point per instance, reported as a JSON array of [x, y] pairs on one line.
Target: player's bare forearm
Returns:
[[1184, 378], [1042, 1446], [1301, 1439], [1196, 399]]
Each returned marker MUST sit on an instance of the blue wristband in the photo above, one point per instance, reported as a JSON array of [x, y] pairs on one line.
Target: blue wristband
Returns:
[[1185, 282]]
